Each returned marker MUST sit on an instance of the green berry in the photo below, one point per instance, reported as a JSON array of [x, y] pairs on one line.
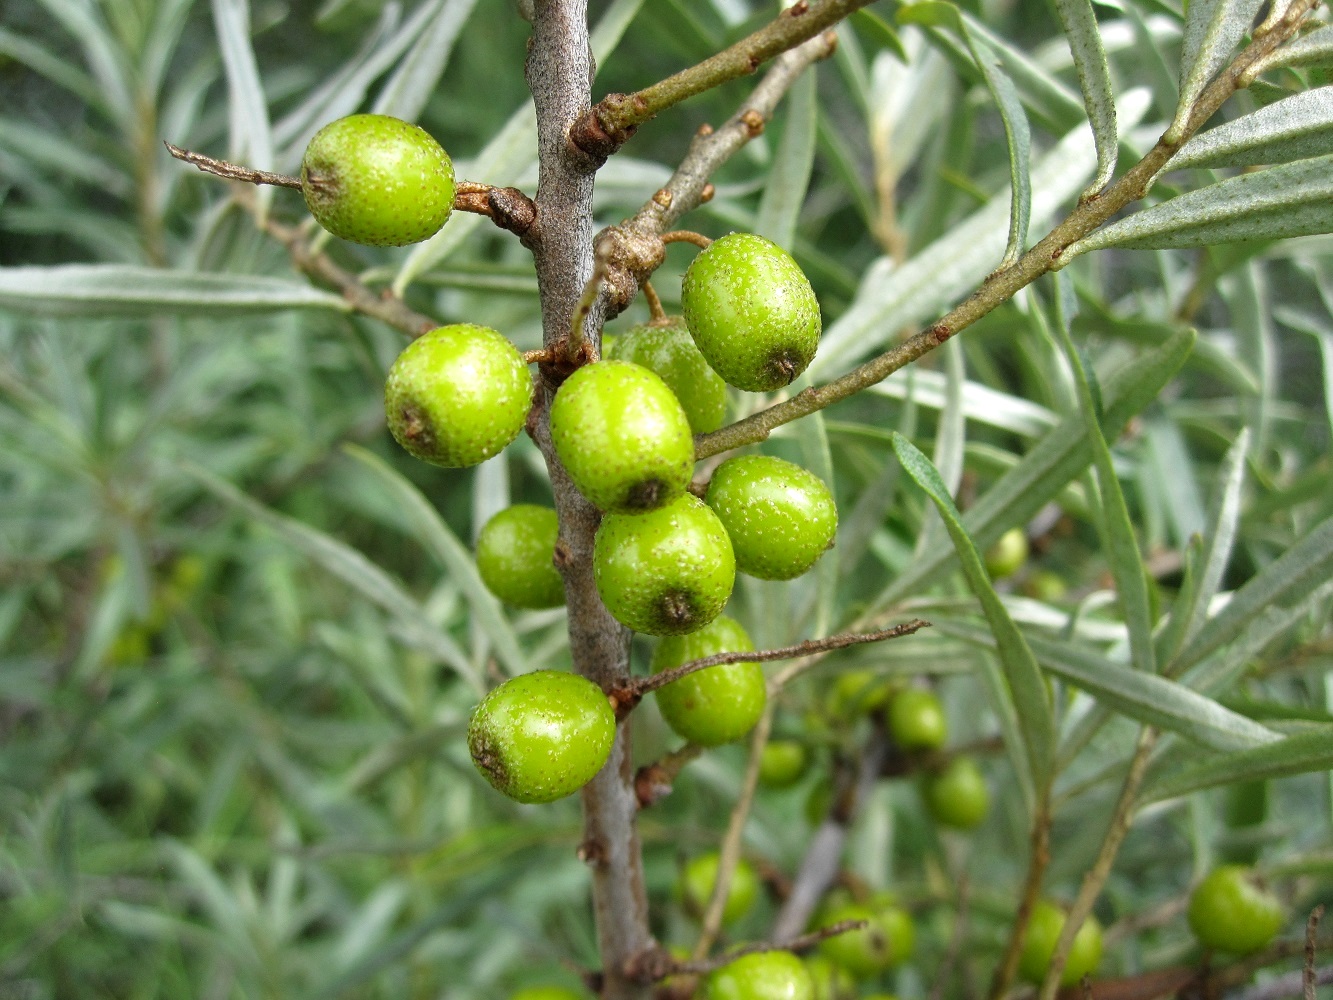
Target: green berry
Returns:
[[666, 347], [541, 736], [957, 796], [696, 883], [781, 518], [547, 993], [860, 692], [667, 572], [916, 720], [515, 553], [782, 763], [885, 942], [751, 311], [764, 975], [1230, 911], [1043, 933], [1007, 556], [457, 395], [377, 180], [622, 437], [717, 704], [1044, 585], [831, 981]]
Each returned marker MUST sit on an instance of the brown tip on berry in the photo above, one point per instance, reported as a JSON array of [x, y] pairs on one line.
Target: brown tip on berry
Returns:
[[415, 424], [646, 495], [784, 366], [677, 608]]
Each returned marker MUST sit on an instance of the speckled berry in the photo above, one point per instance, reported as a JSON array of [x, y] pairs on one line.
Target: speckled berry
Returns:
[[1007, 555], [764, 975], [457, 395], [957, 795], [541, 736], [696, 881], [1230, 911], [916, 720], [751, 311], [715, 705], [1043, 934], [622, 436], [667, 572], [515, 553], [780, 518], [377, 180], [666, 348]]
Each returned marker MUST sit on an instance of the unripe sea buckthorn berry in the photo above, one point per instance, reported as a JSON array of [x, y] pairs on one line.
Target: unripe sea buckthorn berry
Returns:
[[886, 941], [547, 993], [667, 572], [957, 796], [666, 348], [1043, 934], [457, 395], [1230, 911], [781, 518], [541, 736], [831, 981], [696, 887], [751, 311], [377, 180], [717, 704], [515, 553], [764, 975], [622, 436], [1006, 556], [782, 763], [916, 720]]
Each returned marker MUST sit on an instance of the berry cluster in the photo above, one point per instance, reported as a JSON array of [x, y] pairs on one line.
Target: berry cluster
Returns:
[[664, 561]]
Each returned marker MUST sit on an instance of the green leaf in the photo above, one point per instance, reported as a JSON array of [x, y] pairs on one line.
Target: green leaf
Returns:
[[1223, 519], [1295, 199], [1026, 687], [120, 290], [893, 296], [430, 529], [1213, 29], [251, 136], [1294, 128], [1298, 754], [1313, 49], [1122, 549], [1052, 463], [404, 95], [878, 31], [1147, 698], [352, 568], [1293, 575], [789, 180], [1094, 77]]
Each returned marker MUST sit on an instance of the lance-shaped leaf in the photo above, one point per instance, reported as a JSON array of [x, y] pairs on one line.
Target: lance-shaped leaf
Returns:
[[426, 523], [1027, 689], [1295, 128], [1018, 136], [1213, 29], [1295, 199], [1131, 584], [1314, 49], [407, 91], [1094, 77], [115, 289], [1298, 754], [1147, 698]]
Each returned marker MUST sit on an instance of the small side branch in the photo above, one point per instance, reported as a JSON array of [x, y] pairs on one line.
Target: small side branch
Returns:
[[232, 171], [1309, 975], [653, 782], [625, 698], [604, 128]]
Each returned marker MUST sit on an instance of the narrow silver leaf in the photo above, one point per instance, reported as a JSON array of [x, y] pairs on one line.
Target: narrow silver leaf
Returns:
[[1294, 128]]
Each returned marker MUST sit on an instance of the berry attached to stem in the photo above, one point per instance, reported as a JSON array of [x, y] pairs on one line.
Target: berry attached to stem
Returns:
[[515, 557], [715, 705], [377, 180]]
